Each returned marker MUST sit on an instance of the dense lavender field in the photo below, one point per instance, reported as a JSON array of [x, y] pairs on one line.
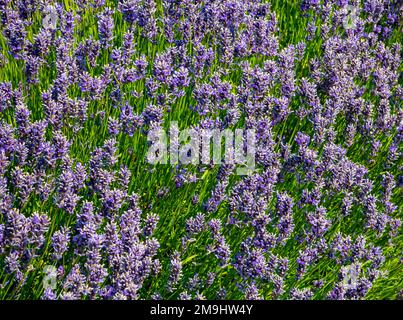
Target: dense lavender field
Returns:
[[85, 215]]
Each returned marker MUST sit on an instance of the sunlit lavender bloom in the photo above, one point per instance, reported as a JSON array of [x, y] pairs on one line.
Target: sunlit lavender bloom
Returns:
[[176, 270], [81, 87], [60, 242], [105, 27], [304, 294]]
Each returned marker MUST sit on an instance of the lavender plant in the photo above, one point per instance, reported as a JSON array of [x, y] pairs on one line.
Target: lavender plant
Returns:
[[82, 83]]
